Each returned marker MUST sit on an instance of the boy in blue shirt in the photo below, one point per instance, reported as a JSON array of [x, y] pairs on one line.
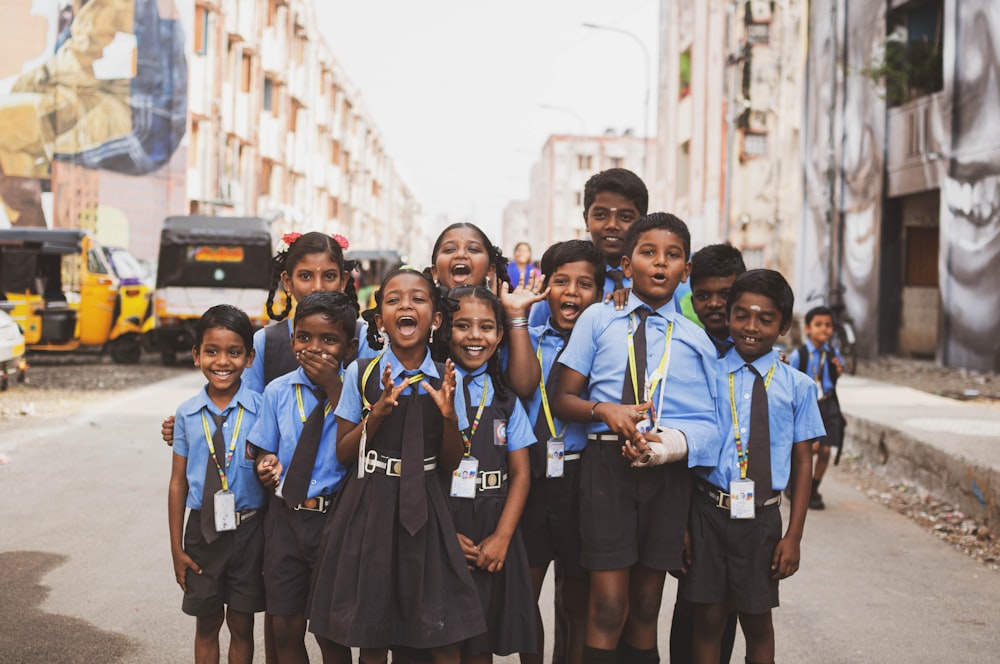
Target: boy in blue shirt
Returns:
[[294, 442], [214, 478], [551, 521], [769, 420], [642, 437], [824, 365]]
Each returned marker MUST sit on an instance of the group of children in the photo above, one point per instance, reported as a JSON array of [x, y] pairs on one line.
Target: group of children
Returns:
[[413, 498]]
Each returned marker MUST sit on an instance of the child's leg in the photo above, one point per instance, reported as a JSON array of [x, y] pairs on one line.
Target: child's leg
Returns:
[[709, 623], [290, 639], [681, 630], [333, 653], [447, 654], [374, 656], [576, 591], [759, 632], [481, 658], [645, 597], [607, 608], [537, 579], [206, 637], [270, 652], [240, 636]]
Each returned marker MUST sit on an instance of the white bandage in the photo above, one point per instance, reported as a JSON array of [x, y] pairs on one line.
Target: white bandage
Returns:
[[673, 447]]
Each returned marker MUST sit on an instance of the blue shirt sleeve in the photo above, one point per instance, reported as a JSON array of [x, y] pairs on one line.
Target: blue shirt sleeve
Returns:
[[181, 444], [265, 433], [520, 433], [349, 407], [539, 313], [793, 359], [253, 376], [579, 353], [807, 421]]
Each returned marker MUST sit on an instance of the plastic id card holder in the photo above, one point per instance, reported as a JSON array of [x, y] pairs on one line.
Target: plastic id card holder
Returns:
[[225, 511], [499, 432], [741, 499], [463, 478], [555, 454]]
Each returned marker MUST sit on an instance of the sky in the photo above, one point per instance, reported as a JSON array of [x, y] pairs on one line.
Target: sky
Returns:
[[458, 89]]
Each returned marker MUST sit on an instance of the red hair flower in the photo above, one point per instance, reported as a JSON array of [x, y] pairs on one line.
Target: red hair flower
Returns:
[[341, 241], [289, 238]]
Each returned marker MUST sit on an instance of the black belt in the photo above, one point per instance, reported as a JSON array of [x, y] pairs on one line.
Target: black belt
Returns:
[[245, 515], [391, 466], [317, 504], [604, 438], [491, 480], [720, 498]]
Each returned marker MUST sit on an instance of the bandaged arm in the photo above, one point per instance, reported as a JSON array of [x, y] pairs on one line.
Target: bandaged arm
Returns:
[[671, 446]]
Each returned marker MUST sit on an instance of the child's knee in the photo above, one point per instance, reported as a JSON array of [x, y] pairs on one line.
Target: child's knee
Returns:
[[757, 625], [210, 625], [824, 453], [608, 612], [240, 624]]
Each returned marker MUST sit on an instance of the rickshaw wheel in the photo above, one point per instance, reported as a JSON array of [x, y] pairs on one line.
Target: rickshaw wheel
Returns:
[[21, 376], [4, 383], [169, 358], [126, 350]]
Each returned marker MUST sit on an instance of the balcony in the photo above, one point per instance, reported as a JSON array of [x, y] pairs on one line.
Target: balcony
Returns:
[[918, 138]]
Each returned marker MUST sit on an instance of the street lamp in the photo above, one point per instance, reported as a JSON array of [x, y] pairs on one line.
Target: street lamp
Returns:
[[645, 106]]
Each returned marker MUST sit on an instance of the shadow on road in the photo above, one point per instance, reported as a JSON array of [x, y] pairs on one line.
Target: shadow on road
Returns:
[[28, 634]]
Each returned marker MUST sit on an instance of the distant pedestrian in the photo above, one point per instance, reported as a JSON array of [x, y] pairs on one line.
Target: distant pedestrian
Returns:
[[768, 413], [521, 270], [217, 558], [824, 364]]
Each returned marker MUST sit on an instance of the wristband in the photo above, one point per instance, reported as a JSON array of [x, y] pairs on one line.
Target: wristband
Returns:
[[517, 323], [593, 408]]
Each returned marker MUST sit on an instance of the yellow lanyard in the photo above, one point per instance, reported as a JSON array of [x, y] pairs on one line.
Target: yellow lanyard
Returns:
[[467, 439], [742, 456], [302, 410], [545, 399], [232, 445], [819, 371], [364, 382], [651, 387]]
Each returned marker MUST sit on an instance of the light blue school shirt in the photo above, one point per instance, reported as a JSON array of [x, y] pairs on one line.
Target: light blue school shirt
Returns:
[[190, 442], [551, 342], [598, 349], [520, 433], [350, 406], [254, 375], [278, 428], [793, 416], [812, 366]]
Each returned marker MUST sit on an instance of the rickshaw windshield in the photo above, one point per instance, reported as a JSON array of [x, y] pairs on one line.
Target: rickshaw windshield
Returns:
[[220, 253], [126, 266]]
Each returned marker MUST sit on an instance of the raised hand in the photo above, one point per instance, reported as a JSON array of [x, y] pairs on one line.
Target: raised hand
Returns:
[[390, 394], [518, 301], [444, 397]]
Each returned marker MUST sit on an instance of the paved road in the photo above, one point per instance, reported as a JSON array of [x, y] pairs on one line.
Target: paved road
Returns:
[[85, 572]]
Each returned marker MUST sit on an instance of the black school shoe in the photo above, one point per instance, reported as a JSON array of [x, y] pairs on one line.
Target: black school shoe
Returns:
[[816, 501]]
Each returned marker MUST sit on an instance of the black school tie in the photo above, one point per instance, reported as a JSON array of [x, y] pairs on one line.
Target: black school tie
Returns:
[[618, 277], [759, 445], [213, 482], [412, 493], [296, 486], [539, 451], [639, 344]]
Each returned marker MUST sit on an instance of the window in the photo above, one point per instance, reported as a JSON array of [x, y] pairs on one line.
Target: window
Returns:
[[200, 30], [584, 162], [616, 162], [754, 145], [266, 170], [912, 64], [333, 207], [245, 72], [683, 176], [335, 153], [758, 34], [579, 199], [685, 74], [268, 93]]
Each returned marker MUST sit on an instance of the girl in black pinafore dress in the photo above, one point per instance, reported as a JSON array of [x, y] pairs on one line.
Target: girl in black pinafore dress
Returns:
[[497, 435], [382, 579]]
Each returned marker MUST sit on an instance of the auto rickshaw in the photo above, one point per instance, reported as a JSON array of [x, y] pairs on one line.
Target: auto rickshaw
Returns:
[[59, 288], [204, 261], [133, 315], [11, 350]]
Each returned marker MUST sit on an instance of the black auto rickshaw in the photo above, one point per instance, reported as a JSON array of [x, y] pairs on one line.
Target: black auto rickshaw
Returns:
[[205, 261]]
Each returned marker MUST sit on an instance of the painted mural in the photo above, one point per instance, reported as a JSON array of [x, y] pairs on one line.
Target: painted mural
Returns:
[[970, 198], [87, 86]]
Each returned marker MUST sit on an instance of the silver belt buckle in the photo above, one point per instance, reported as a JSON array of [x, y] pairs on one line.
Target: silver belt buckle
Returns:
[[393, 467], [371, 461]]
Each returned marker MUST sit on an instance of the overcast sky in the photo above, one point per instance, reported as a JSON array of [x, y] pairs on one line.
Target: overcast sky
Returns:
[[456, 87]]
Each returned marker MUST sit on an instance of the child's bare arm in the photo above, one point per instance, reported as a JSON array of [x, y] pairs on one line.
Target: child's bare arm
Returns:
[[785, 561], [567, 405], [349, 433], [268, 469], [493, 549], [451, 440], [176, 496], [167, 430], [523, 372]]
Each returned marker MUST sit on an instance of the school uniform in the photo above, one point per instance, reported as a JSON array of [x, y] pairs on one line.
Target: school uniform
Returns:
[[231, 563], [377, 584], [292, 532], [731, 558], [816, 363], [273, 355], [631, 515], [506, 597], [551, 519]]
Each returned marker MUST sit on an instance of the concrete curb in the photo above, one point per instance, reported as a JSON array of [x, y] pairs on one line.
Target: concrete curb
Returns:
[[949, 448]]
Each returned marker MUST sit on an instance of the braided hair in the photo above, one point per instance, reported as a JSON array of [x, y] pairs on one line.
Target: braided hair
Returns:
[[497, 260], [454, 299], [302, 246], [439, 347]]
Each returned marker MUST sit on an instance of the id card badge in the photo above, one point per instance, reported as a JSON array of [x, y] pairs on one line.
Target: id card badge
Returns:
[[645, 424], [463, 478], [225, 511], [555, 455], [500, 432], [741, 495]]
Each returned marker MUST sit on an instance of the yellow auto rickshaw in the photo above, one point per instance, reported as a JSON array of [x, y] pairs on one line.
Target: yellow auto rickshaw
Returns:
[[133, 316], [58, 286]]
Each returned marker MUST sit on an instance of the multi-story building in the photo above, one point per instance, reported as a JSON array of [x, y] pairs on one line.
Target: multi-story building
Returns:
[[264, 122], [554, 209]]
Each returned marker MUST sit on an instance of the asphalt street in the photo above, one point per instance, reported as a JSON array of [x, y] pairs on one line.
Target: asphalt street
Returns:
[[85, 572]]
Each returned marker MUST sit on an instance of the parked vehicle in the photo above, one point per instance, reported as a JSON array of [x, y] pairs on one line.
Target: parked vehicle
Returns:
[[11, 351], [204, 261], [58, 286], [133, 316]]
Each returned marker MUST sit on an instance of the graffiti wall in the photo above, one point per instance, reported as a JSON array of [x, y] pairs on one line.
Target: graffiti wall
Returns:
[[93, 93], [843, 157], [970, 198]]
